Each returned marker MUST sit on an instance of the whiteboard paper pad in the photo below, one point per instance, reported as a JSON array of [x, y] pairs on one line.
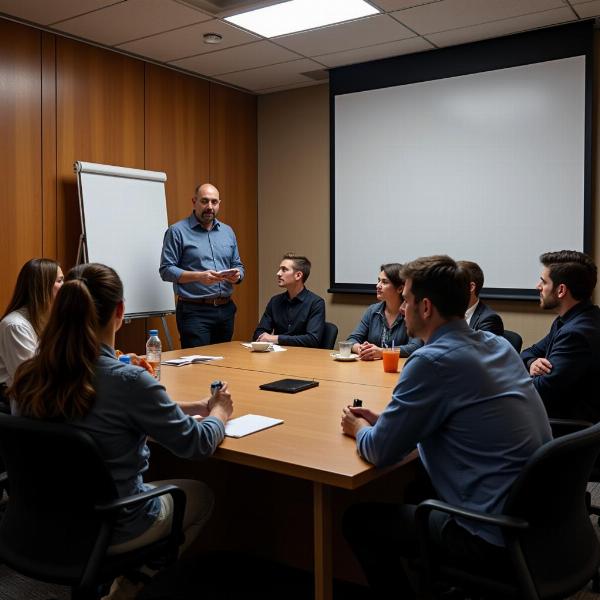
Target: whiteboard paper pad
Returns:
[[247, 424]]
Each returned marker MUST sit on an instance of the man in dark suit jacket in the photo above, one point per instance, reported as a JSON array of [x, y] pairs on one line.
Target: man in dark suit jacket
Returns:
[[479, 315], [565, 364]]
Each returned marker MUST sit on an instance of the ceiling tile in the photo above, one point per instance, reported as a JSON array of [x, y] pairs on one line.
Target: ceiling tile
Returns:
[[282, 74], [589, 9], [451, 14], [345, 36], [45, 13], [285, 88], [248, 56], [415, 44], [131, 20], [499, 28], [399, 4], [187, 41]]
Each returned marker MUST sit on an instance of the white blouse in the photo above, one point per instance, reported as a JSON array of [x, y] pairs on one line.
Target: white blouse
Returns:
[[18, 342]]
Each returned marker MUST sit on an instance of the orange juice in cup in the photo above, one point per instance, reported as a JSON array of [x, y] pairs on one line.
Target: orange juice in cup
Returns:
[[390, 359]]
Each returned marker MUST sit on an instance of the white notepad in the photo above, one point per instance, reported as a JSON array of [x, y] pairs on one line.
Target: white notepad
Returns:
[[247, 424], [191, 359]]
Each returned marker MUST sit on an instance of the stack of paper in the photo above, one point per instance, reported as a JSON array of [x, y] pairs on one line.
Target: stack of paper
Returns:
[[188, 360], [241, 426]]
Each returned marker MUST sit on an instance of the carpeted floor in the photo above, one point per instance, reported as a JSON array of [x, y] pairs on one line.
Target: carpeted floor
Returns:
[[248, 583]]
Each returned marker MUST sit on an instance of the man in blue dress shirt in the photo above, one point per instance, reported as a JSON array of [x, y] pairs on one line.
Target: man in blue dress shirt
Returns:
[[200, 257], [296, 317], [564, 366], [467, 403]]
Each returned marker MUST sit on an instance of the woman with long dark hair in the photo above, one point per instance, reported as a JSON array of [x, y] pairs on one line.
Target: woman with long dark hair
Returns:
[[25, 316], [75, 377]]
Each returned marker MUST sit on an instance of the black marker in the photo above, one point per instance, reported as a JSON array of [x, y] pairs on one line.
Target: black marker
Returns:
[[357, 403]]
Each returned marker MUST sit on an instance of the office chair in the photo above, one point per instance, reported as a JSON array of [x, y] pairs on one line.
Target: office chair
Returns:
[[329, 336], [562, 427], [63, 505], [516, 341], [551, 546]]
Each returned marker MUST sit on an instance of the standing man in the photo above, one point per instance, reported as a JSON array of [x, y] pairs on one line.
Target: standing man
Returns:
[[200, 257], [564, 366], [465, 400], [296, 317], [478, 315]]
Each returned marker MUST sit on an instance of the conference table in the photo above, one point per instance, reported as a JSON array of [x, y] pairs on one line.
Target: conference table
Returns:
[[309, 444]]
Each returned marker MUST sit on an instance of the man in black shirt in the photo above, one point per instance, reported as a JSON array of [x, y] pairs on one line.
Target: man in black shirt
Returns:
[[296, 317]]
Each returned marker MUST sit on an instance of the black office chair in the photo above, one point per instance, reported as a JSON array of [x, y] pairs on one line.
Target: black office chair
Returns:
[[516, 341], [550, 541], [329, 336], [562, 427], [63, 505]]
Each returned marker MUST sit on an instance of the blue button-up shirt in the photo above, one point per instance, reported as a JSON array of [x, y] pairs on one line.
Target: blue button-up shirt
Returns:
[[188, 246], [374, 328], [467, 402]]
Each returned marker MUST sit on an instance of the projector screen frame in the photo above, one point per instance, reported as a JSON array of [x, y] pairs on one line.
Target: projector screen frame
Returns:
[[538, 46]]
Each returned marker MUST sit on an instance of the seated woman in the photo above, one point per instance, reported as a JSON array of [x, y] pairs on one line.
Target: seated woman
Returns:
[[25, 317], [383, 324], [75, 377]]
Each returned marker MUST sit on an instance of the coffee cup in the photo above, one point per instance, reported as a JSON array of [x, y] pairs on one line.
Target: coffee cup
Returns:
[[345, 349], [260, 346]]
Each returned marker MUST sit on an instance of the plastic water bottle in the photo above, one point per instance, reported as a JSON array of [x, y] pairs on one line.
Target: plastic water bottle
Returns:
[[154, 351]]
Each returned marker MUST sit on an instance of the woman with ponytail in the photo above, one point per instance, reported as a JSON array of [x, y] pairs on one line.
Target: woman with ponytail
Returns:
[[25, 316], [76, 378]]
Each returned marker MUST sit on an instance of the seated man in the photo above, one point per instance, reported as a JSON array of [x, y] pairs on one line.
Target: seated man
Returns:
[[465, 400], [296, 317], [479, 316], [564, 365]]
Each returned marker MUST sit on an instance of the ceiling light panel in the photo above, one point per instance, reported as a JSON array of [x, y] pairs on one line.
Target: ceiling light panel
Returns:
[[300, 15]]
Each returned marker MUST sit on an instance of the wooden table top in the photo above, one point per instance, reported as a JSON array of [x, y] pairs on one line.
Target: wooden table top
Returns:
[[303, 363], [310, 443]]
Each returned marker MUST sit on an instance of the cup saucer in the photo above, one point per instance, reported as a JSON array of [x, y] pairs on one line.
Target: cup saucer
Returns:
[[345, 358]]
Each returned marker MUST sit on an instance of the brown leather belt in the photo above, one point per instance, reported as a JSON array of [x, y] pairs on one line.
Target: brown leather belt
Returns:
[[211, 301]]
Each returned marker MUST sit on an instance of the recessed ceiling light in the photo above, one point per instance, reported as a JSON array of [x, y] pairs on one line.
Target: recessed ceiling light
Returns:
[[300, 15], [212, 38]]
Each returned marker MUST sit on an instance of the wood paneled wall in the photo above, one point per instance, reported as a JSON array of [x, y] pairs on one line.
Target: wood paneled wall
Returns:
[[63, 101], [20, 145], [233, 169]]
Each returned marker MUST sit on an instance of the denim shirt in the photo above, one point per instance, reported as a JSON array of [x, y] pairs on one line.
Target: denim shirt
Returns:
[[468, 404], [131, 405], [188, 246], [374, 328]]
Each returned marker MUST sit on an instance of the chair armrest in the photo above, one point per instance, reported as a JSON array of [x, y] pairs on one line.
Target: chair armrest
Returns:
[[502, 521], [116, 505], [562, 427]]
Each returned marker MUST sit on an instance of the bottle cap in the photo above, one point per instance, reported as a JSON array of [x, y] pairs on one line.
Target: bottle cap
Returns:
[[125, 359], [153, 331]]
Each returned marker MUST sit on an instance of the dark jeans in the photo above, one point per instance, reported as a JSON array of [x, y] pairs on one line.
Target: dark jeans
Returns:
[[382, 534], [203, 324]]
